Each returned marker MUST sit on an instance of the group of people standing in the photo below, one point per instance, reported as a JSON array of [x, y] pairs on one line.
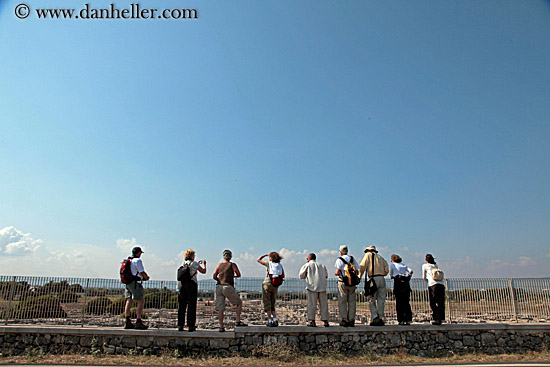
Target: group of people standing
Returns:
[[346, 269]]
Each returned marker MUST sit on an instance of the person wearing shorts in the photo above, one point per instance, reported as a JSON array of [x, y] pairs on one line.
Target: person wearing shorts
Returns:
[[224, 276], [134, 291]]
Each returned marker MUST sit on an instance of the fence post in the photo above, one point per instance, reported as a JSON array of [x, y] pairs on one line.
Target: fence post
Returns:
[[85, 300], [12, 289], [161, 295], [514, 303], [449, 301]]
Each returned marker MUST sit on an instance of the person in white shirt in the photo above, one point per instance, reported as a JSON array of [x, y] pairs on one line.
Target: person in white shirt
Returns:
[[347, 301], [134, 291], [188, 291], [269, 291], [436, 290], [316, 276], [401, 275]]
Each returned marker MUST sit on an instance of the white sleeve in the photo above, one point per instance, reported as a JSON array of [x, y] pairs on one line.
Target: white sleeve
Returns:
[[139, 265]]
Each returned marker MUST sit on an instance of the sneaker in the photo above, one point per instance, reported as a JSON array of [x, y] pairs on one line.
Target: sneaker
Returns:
[[351, 323], [374, 322], [140, 325], [240, 323], [269, 323], [180, 328], [275, 323], [326, 323], [311, 324], [192, 328], [129, 325]]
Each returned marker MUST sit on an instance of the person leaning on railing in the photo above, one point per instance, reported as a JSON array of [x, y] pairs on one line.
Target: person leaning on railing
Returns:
[[188, 291], [224, 276], [401, 275]]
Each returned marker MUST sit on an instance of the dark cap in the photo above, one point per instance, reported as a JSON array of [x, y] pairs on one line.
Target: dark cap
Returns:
[[136, 250]]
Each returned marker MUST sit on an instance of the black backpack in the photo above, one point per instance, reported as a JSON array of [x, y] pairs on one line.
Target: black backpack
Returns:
[[350, 276], [184, 273]]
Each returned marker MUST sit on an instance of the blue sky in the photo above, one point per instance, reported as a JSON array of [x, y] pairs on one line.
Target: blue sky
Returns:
[[277, 125]]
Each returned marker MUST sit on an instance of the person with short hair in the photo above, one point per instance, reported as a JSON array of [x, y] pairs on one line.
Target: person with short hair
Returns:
[[188, 291], [269, 291], [401, 275], [316, 276], [347, 300], [436, 290], [224, 276], [376, 267], [134, 291]]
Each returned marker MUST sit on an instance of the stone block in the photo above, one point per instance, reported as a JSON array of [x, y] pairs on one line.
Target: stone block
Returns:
[[488, 339], [219, 344]]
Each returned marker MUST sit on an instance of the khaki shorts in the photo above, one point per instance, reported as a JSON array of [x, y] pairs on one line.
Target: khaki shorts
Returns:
[[229, 292], [134, 291], [269, 296]]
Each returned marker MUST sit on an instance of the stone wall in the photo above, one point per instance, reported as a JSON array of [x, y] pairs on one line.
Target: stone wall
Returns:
[[421, 340]]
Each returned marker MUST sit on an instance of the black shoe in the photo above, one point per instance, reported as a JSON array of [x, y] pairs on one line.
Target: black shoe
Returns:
[[351, 323], [129, 325], [140, 325], [311, 324], [180, 328], [436, 322], [192, 328], [275, 323], [326, 323], [344, 323], [374, 322]]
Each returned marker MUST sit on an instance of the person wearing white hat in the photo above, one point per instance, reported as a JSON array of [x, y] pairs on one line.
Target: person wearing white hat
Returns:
[[377, 268]]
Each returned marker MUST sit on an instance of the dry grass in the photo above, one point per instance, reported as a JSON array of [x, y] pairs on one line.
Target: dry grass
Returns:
[[267, 357]]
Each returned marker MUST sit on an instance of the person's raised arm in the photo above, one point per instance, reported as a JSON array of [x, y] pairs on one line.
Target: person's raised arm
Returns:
[[236, 270], [264, 263], [202, 269]]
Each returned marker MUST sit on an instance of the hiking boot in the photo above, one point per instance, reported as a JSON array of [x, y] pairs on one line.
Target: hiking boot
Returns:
[[129, 325], [140, 325]]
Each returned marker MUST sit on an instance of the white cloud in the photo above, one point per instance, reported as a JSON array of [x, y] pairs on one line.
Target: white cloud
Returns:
[[16, 243], [126, 245]]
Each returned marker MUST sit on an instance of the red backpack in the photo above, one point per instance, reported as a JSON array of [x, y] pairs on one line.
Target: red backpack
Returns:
[[126, 276]]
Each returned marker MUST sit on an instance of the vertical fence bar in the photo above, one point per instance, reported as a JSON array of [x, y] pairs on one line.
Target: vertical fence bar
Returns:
[[514, 301], [12, 288], [448, 300], [85, 301]]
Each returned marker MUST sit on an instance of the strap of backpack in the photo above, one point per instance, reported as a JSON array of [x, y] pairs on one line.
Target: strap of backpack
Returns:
[[344, 261], [372, 258]]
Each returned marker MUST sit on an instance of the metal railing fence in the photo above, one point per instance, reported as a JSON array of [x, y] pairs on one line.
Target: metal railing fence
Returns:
[[92, 301]]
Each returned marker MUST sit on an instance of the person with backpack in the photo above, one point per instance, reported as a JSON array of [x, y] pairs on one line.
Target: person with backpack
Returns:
[[348, 279], [134, 290], [273, 279], [316, 276], [188, 290], [436, 289], [376, 268], [225, 275], [401, 275]]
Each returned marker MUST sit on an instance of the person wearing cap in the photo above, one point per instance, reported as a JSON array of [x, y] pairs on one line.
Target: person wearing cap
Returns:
[[134, 291], [377, 268], [224, 276], [347, 300], [316, 276]]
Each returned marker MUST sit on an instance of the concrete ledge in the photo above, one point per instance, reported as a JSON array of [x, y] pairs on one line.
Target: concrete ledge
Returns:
[[418, 339]]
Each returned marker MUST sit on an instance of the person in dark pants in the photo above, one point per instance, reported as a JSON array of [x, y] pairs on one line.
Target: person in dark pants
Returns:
[[401, 275], [436, 290], [188, 290]]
